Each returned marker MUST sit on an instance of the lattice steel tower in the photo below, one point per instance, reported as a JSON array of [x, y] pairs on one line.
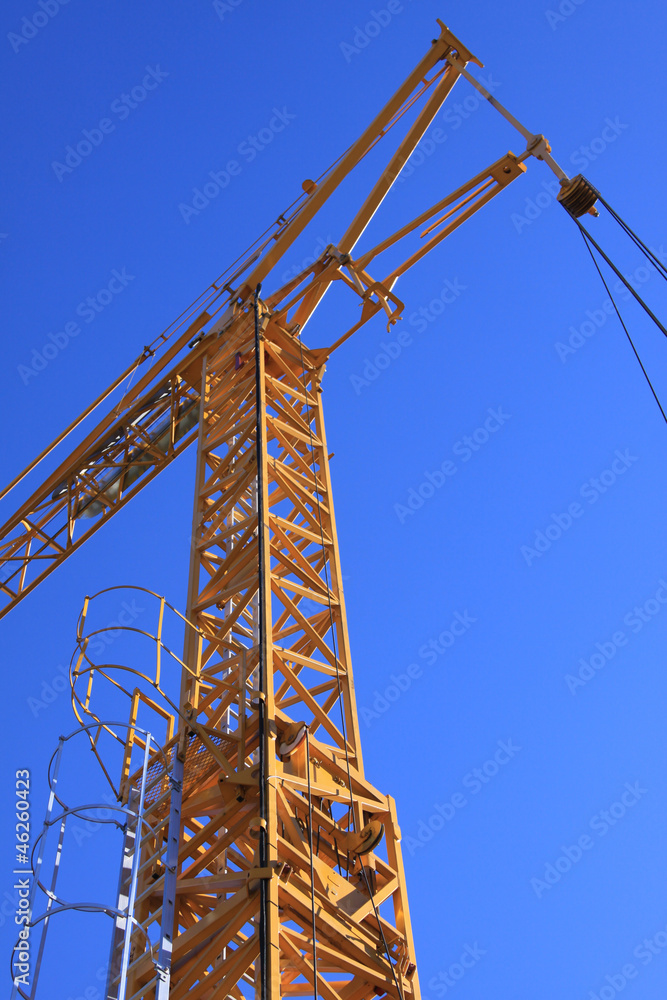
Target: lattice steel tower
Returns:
[[260, 860]]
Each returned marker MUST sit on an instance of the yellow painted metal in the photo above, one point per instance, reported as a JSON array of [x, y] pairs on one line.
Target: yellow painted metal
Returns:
[[267, 645], [134, 441], [309, 679]]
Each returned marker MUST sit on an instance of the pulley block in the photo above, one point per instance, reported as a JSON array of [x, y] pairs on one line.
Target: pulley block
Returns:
[[578, 196]]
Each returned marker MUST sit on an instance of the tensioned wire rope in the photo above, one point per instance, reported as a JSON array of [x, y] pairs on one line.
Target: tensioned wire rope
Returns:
[[653, 260], [627, 332], [312, 865], [325, 556], [251, 254], [648, 253], [589, 242]]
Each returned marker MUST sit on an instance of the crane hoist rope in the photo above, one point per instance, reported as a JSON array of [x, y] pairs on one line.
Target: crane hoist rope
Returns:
[[653, 261], [622, 322]]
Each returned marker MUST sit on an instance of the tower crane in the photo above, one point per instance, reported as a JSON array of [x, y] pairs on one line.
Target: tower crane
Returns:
[[258, 858]]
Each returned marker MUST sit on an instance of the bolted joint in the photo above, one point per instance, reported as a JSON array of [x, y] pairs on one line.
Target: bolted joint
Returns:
[[539, 147]]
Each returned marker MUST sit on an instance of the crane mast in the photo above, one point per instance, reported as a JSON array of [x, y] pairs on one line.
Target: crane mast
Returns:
[[261, 862]]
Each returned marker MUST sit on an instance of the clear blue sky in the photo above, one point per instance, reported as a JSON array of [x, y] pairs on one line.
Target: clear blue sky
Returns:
[[509, 288]]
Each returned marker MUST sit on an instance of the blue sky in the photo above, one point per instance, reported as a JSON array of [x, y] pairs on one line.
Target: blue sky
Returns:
[[505, 343]]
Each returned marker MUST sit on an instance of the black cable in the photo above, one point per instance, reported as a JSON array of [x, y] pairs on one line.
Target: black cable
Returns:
[[340, 870], [648, 253], [261, 708], [597, 266], [342, 712], [326, 579], [312, 872], [621, 276], [381, 929]]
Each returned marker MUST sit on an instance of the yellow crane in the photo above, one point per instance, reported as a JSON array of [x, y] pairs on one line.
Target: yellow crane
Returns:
[[258, 858]]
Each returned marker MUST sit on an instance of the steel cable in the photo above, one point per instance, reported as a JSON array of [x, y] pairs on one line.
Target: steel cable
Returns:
[[312, 870], [326, 579], [648, 253], [589, 242], [627, 332]]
